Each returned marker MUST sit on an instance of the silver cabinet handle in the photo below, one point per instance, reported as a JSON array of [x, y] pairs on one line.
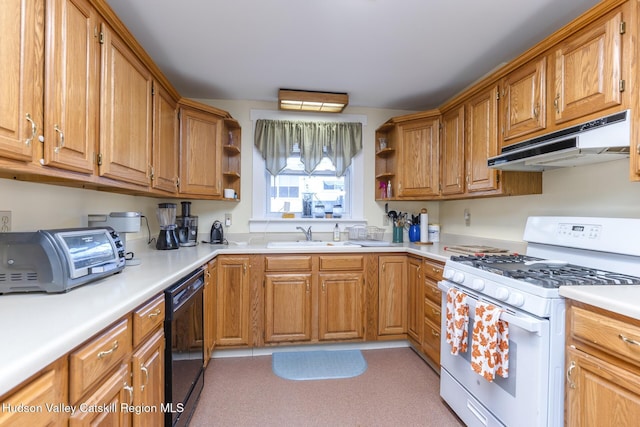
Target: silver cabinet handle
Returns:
[[572, 366], [628, 340], [146, 374], [130, 390], [58, 147], [34, 130], [106, 353]]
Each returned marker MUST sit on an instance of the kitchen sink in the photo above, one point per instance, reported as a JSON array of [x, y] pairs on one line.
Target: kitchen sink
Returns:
[[310, 244]]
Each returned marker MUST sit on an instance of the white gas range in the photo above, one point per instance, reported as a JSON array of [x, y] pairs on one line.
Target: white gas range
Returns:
[[561, 251]]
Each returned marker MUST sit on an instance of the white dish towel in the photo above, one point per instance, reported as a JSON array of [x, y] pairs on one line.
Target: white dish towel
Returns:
[[457, 321], [490, 342]]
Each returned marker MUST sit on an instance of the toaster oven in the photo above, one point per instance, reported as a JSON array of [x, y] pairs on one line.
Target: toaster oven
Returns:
[[55, 261]]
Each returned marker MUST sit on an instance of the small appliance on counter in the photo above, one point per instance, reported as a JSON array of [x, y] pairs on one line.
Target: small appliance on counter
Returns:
[[217, 234], [122, 223], [168, 238], [55, 261], [187, 226]]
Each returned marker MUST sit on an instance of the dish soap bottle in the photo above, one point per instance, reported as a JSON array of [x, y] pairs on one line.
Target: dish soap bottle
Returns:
[[336, 233]]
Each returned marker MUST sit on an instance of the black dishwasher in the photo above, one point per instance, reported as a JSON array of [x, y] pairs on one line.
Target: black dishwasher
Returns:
[[184, 350]]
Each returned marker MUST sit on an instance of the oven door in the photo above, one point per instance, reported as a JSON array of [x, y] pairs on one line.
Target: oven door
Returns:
[[520, 399]]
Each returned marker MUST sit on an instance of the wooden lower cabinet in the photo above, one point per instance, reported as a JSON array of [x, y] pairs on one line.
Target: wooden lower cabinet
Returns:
[[340, 313], [416, 305], [392, 295], [602, 385], [288, 307], [47, 387], [209, 306], [233, 301], [147, 365], [313, 298], [432, 303]]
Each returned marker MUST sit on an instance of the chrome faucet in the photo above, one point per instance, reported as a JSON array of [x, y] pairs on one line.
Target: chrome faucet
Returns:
[[307, 233]]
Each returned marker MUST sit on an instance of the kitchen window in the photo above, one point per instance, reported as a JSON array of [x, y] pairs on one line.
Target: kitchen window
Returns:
[[295, 189]]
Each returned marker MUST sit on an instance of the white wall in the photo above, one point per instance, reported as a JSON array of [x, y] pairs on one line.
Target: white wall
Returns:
[[597, 190]]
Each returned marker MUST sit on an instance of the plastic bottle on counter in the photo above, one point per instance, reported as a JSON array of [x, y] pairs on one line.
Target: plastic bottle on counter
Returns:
[[434, 232], [336, 233]]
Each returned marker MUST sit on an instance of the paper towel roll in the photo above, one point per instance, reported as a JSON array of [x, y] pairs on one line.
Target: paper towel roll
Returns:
[[424, 223]]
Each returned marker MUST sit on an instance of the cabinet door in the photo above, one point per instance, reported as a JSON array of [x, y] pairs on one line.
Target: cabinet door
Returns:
[[416, 296], [288, 307], [599, 393], [125, 113], [49, 387], [340, 313], [166, 145], [392, 295], [523, 100], [200, 159], [232, 301], [482, 140], [419, 175], [71, 85], [148, 380], [114, 391], [21, 37], [209, 302], [452, 158], [588, 70]]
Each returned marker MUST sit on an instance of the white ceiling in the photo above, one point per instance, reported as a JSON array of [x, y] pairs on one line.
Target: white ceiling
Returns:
[[396, 54]]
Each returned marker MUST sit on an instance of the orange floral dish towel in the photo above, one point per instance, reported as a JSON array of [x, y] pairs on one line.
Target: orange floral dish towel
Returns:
[[490, 342], [457, 320]]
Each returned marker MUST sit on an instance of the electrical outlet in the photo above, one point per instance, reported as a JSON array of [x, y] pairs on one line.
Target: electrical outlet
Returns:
[[467, 217], [5, 221], [385, 219], [227, 220]]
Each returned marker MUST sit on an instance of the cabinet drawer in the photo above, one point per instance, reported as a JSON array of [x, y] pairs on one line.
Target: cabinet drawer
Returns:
[[432, 311], [96, 358], [287, 263], [147, 318], [613, 336], [432, 293], [431, 341], [433, 269], [342, 262]]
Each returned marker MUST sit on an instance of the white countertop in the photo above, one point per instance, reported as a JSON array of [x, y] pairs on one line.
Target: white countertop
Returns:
[[39, 328], [622, 299]]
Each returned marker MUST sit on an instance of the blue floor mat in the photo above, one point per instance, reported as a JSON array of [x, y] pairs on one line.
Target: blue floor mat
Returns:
[[318, 365]]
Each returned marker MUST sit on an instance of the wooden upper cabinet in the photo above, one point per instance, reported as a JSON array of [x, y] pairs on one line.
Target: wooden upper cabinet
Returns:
[[71, 98], [166, 144], [482, 140], [452, 152], [588, 70], [200, 159], [21, 38], [125, 112], [523, 100], [419, 174]]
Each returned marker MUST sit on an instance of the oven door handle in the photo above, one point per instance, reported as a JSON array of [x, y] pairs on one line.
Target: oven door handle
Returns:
[[529, 324]]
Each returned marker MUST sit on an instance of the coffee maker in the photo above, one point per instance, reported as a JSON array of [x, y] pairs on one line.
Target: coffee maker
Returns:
[[187, 226], [166, 214]]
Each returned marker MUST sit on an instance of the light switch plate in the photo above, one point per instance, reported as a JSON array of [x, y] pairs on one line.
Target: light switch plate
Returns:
[[5, 221]]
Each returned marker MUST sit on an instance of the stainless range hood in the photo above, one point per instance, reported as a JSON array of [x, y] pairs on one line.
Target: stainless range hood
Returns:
[[596, 141]]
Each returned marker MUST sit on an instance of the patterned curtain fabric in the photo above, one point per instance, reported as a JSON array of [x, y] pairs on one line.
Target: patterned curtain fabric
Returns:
[[276, 140]]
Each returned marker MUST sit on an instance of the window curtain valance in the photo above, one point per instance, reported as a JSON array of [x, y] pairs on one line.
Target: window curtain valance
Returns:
[[279, 139]]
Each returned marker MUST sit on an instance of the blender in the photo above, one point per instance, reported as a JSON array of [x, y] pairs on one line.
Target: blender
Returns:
[[187, 226], [166, 214]]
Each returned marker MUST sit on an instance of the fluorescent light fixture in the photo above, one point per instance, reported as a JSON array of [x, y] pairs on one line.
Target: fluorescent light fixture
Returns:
[[304, 100]]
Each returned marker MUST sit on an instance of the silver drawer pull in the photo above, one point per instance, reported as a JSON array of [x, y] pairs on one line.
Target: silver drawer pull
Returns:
[[628, 340], [155, 313], [114, 347]]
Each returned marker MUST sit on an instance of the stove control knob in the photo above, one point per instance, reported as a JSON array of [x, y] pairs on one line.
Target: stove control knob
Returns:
[[477, 284], [502, 294], [458, 277], [448, 274], [517, 299]]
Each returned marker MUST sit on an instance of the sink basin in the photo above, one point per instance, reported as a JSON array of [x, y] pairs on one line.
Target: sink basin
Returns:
[[309, 244]]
